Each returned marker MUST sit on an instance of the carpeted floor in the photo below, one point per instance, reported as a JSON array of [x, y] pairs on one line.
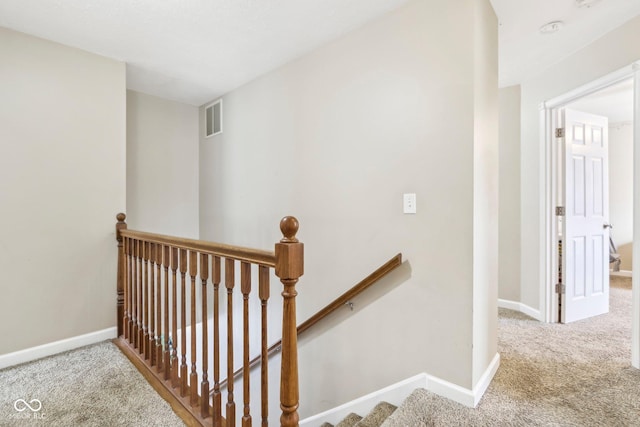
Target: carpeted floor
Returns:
[[577, 374], [90, 386], [550, 375]]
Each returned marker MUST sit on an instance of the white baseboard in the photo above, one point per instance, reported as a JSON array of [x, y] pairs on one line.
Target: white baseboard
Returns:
[[397, 393], [33, 353], [621, 273], [463, 395], [522, 308], [394, 394], [485, 379]]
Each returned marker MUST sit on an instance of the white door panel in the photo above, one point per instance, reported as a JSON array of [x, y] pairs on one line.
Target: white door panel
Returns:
[[586, 189]]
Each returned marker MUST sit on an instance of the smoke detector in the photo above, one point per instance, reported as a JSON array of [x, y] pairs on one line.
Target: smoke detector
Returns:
[[551, 27], [586, 3]]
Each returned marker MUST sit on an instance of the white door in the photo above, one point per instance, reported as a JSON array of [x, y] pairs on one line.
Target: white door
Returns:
[[585, 266]]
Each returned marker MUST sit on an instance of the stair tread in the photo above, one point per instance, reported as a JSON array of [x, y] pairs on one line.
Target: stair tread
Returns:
[[349, 421], [326, 425], [377, 415]]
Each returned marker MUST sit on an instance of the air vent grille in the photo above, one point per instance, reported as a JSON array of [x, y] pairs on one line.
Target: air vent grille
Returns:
[[213, 118]]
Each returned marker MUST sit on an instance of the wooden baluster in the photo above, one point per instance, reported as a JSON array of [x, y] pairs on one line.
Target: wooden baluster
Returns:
[[217, 395], [138, 292], [152, 302], [147, 312], [263, 291], [183, 323], [245, 288], [229, 279], [129, 284], [132, 294], [127, 291], [204, 386], [174, 319], [158, 263], [166, 261], [120, 298], [143, 307], [289, 267], [193, 377]]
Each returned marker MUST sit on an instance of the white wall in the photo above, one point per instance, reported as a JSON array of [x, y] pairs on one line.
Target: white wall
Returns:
[[615, 50], [621, 190], [336, 138], [162, 166], [509, 167], [62, 181], [485, 189]]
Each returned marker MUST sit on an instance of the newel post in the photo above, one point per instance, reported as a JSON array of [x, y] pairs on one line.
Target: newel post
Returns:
[[289, 267], [120, 225]]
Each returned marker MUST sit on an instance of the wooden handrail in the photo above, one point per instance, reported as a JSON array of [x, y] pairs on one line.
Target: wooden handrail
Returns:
[[239, 253], [365, 283]]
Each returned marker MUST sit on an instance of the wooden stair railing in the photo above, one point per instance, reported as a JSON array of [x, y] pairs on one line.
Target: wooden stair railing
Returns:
[[343, 299], [154, 272]]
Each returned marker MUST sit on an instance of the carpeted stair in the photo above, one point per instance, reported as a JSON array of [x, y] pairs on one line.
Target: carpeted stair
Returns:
[[375, 418]]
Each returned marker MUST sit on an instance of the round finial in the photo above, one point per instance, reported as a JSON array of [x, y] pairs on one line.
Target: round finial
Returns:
[[121, 217], [289, 227]]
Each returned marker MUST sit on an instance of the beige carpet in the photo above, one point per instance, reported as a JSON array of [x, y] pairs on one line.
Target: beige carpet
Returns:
[[577, 374], [550, 375], [90, 386]]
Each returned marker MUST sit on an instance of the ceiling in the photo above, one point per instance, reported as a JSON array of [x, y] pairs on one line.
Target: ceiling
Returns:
[[194, 51], [524, 52]]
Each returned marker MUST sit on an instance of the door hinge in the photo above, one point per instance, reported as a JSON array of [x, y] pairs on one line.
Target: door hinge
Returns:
[[559, 210], [560, 288], [559, 132]]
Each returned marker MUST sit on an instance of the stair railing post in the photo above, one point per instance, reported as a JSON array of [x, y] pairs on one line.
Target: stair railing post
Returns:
[[120, 225], [289, 254]]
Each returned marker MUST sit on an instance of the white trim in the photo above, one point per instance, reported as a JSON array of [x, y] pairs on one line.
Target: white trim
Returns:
[[464, 396], [621, 273], [397, 393], [591, 87], [33, 353], [394, 394], [522, 308], [485, 379]]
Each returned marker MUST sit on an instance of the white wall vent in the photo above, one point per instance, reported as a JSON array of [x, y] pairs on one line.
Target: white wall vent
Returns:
[[213, 118]]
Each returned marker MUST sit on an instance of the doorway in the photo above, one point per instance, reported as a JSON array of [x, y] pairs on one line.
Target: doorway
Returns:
[[551, 119]]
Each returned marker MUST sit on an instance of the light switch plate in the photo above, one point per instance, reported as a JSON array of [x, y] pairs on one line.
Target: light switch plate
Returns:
[[409, 206]]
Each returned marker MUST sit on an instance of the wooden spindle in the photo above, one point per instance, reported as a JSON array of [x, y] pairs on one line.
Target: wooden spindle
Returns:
[[193, 377], [129, 284], [158, 263], [263, 293], [217, 395], [289, 267], [139, 330], [152, 303], [183, 323], [229, 279], [204, 386], [166, 261], [145, 297], [120, 297], [245, 288], [127, 289], [174, 319]]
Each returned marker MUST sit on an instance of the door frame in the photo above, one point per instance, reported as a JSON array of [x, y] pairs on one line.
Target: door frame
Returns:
[[549, 230]]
